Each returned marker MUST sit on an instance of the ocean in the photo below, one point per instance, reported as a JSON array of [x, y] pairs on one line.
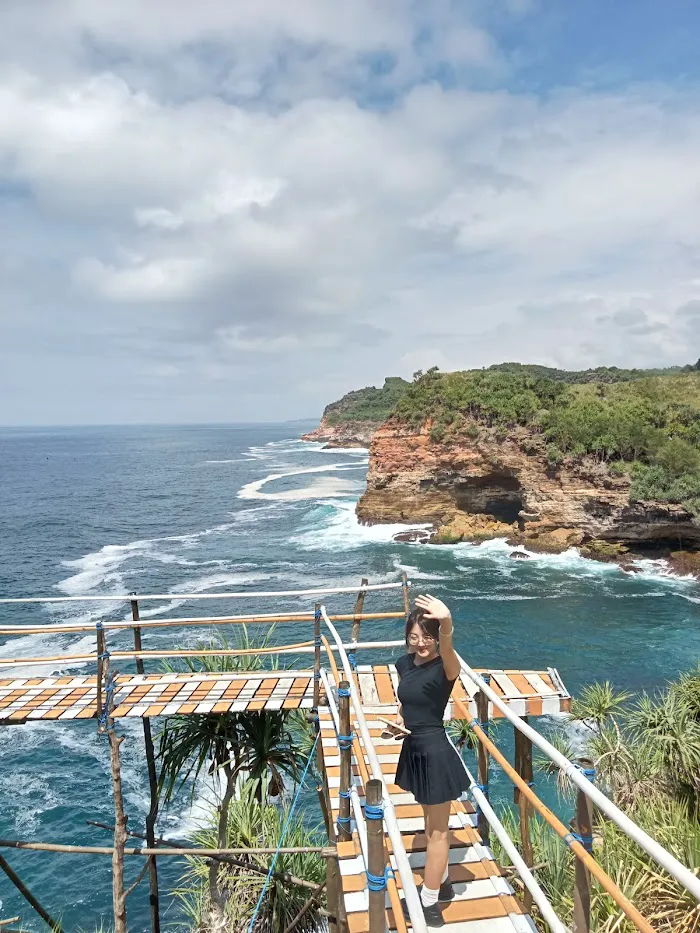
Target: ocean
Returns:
[[173, 510]]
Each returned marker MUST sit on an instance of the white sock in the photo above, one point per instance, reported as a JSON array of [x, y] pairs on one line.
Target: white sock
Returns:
[[445, 874], [428, 896]]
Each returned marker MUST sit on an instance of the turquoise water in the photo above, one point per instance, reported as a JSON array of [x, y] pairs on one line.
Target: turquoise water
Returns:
[[196, 509]]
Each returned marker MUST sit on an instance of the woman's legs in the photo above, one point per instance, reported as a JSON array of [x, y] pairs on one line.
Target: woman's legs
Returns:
[[437, 834]]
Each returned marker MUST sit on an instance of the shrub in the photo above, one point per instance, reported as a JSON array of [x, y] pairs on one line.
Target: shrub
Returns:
[[555, 457]]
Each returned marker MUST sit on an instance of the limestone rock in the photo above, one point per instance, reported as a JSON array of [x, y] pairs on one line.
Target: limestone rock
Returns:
[[482, 487]]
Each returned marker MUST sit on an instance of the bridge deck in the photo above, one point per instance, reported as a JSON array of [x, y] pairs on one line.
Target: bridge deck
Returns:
[[138, 695], [484, 902]]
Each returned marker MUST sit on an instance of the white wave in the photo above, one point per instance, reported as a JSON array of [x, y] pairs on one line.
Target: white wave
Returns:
[[414, 573], [647, 568], [343, 532], [315, 491], [205, 584]]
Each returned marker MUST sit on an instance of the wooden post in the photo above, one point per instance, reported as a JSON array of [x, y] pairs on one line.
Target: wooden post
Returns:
[[120, 832], [355, 636], [404, 589], [523, 765], [345, 746], [317, 655], [583, 827], [28, 896], [482, 715], [153, 785], [376, 859], [100, 671]]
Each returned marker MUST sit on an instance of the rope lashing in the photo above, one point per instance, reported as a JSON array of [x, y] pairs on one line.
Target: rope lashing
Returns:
[[378, 882], [587, 772], [373, 812], [342, 692], [586, 841], [110, 687], [475, 722], [345, 741], [345, 794], [283, 835], [352, 659]]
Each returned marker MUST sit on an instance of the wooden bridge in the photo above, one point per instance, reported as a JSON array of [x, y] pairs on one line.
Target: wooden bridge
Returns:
[[375, 830]]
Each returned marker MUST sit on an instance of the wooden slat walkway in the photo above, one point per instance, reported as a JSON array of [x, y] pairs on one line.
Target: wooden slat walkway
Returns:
[[24, 699], [484, 902]]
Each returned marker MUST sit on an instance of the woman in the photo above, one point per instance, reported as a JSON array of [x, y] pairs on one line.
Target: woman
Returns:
[[429, 765]]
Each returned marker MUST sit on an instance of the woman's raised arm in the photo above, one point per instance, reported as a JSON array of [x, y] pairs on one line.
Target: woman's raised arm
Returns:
[[436, 609]]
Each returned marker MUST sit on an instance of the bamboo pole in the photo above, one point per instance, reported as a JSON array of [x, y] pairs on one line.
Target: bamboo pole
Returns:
[[523, 765], [359, 755], [482, 709], [193, 622], [28, 896], [323, 851], [154, 897], [282, 876], [583, 826], [305, 647], [345, 747], [579, 851], [101, 651], [317, 655], [118, 895], [376, 858], [271, 594], [355, 635]]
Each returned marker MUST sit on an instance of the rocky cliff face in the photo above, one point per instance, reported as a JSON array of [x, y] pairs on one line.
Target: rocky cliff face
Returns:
[[476, 489], [343, 434]]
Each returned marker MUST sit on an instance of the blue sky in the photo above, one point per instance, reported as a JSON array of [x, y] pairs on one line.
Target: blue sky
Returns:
[[227, 211]]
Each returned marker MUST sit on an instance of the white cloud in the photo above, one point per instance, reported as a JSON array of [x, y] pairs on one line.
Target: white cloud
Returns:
[[235, 188]]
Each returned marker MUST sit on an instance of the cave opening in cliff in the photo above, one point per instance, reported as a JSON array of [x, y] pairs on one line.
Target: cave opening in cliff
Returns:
[[496, 494]]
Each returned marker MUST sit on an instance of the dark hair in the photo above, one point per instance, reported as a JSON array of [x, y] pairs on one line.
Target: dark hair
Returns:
[[427, 626]]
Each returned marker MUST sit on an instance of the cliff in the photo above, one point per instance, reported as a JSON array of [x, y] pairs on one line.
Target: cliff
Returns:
[[353, 419], [483, 486], [343, 434]]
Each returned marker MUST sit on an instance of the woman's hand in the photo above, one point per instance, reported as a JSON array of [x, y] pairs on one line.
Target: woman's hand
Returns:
[[437, 610], [434, 609]]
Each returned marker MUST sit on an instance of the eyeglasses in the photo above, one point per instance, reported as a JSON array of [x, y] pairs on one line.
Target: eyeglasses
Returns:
[[416, 639]]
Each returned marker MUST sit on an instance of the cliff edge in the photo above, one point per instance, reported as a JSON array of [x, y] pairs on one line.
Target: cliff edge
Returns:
[[607, 460], [475, 489]]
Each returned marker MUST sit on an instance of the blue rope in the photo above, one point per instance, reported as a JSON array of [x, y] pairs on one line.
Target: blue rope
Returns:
[[587, 772], [378, 882], [345, 794], [342, 692], [345, 741], [586, 841], [352, 659], [283, 835], [374, 812]]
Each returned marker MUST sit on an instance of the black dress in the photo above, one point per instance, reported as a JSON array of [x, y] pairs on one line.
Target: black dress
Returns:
[[430, 767]]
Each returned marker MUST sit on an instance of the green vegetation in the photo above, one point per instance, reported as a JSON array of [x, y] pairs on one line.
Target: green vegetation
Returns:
[[254, 822], [369, 404], [253, 757], [636, 423], [647, 756]]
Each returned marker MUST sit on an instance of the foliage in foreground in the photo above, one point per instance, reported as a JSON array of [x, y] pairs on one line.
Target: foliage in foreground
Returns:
[[255, 824], [647, 756], [266, 747]]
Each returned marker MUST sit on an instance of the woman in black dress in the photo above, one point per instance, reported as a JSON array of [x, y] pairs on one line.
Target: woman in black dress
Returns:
[[429, 765]]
